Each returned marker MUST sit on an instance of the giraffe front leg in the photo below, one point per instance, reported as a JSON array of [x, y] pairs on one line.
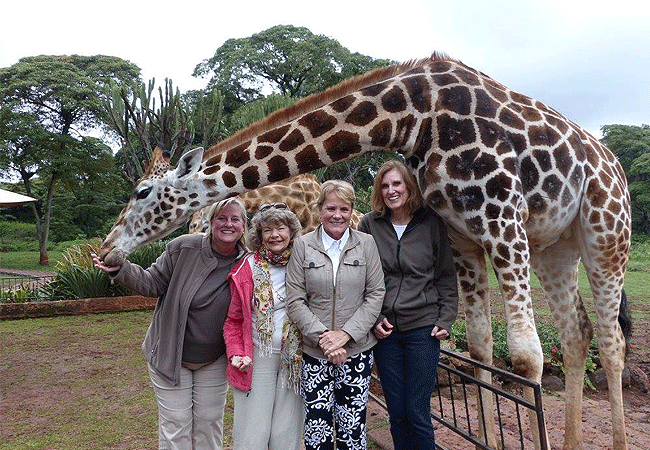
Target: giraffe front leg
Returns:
[[475, 295], [511, 265]]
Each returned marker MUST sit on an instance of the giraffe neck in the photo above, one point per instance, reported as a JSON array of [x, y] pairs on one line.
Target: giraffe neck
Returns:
[[386, 111]]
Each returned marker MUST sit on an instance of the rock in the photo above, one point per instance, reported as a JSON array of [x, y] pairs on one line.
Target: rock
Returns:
[[599, 379], [552, 383], [639, 379]]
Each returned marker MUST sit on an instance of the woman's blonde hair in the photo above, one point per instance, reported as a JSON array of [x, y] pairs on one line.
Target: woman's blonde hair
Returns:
[[414, 200], [219, 206], [274, 216], [342, 189]]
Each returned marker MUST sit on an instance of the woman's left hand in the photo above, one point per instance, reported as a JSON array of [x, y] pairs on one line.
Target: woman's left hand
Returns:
[[338, 356], [439, 333], [331, 341], [242, 363]]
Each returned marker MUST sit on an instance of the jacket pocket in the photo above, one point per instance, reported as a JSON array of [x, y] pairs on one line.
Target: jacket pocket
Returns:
[[315, 271], [351, 285], [431, 295]]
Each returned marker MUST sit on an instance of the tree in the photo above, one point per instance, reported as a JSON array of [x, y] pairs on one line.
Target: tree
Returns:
[[290, 60], [195, 118], [47, 104], [631, 145]]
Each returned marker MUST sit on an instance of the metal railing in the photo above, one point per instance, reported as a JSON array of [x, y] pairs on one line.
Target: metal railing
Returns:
[[21, 289], [454, 404]]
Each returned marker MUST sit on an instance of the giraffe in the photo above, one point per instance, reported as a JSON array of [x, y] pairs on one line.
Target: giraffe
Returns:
[[512, 178], [300, 193]]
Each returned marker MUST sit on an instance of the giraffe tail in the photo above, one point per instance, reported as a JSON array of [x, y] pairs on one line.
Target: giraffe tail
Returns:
[[625, 321]]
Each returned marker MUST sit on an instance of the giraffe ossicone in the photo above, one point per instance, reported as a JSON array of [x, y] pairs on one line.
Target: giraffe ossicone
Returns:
[[512, 178]]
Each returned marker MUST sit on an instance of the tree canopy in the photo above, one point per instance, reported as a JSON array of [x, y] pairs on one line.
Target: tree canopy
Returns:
[[284, 59], [49, 105]]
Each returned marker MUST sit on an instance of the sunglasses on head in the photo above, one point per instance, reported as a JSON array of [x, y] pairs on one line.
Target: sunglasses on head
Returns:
[[278, 205]]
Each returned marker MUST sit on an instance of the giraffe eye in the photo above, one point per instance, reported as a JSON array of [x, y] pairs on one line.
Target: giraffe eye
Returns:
[[143, 193]]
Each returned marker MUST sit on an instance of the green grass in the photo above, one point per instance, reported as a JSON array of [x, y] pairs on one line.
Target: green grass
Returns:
[[77, 382], [28, 260]]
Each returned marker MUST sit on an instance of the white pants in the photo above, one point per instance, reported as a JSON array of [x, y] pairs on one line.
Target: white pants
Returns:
[[269, 416], [190, 416]]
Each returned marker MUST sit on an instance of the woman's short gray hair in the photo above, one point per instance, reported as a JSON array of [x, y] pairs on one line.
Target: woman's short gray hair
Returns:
[[273, 216]]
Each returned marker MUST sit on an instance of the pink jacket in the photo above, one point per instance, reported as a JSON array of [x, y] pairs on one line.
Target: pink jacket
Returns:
[[238, 327]]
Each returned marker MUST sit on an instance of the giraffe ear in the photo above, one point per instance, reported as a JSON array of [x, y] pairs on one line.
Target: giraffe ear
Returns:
[[189, 163]]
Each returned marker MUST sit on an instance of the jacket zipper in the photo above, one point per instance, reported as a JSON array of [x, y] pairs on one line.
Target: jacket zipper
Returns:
[[401, 280]]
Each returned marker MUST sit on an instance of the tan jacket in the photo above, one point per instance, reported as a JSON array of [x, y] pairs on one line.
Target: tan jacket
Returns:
[[315, 305]]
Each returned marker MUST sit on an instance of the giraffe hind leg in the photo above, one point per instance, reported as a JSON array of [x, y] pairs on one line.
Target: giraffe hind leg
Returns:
[[606, 276], [556, 268]]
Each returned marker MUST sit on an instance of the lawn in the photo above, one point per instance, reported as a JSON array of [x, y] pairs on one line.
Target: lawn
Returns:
[[72, 383]]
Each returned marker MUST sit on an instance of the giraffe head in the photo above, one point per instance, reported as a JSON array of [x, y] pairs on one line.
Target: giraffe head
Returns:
[[162, 200]]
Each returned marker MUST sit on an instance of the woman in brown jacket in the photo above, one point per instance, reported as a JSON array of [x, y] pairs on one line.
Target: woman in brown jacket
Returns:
[[184, 345], [335, 288]]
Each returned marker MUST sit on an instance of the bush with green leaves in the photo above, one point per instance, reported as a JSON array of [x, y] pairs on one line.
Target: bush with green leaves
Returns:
[[548, 336], [77, 277]]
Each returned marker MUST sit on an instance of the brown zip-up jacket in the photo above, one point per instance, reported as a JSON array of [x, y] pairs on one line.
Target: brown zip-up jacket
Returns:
[[421, 284], [315, 305], [174, 278]]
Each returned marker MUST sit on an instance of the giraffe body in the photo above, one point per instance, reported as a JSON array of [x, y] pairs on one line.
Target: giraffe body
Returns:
[[514, 180], [300, 193]]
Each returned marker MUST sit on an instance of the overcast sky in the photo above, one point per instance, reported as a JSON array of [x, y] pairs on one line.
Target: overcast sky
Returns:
[[590, 60]]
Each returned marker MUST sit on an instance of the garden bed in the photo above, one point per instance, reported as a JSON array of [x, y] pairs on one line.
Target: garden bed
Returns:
[[75, 307]]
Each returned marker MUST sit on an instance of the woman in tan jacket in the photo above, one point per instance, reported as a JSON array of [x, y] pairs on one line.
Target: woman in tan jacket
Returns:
[[335, 289]]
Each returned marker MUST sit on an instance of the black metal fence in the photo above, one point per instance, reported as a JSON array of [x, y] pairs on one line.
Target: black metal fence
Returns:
[[454, 405], [21, 289]]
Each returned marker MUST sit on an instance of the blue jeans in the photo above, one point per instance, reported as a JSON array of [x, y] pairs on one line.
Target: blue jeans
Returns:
[[407, 363]]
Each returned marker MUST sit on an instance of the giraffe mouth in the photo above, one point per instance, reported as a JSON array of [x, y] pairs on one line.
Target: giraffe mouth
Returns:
[[114, 257]]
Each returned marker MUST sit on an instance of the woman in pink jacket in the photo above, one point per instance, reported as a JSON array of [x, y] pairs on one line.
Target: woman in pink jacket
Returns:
[[263, 346]]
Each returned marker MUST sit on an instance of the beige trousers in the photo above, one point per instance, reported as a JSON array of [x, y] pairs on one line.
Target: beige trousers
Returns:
[[190, 416], [269, 416]]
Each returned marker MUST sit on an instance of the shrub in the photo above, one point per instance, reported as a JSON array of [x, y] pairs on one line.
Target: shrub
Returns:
[[77, 276], [548, 336], [18, 237]]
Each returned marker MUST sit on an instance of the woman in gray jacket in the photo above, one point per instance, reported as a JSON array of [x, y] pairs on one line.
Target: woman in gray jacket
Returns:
[[184, 345], [335, 288], [420, 304]]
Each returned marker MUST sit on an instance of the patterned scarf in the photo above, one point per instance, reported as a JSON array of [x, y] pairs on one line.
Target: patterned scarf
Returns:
[[291, 350]]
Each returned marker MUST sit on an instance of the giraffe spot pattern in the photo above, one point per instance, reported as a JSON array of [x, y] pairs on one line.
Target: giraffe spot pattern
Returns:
[[394, 100], [454, 133], [380, 134], [273, 136], [361, 115], [342, 144], [455, 99], [238, 156], [292, 141], [278, 168], [419, 93], [262, 151], [318, 123], [307, 159], [251, 177]]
